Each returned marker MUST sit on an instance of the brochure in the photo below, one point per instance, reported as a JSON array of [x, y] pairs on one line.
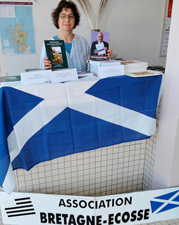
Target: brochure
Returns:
[[56, 53], [99, 45]]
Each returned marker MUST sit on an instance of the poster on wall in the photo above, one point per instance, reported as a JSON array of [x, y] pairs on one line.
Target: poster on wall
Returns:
[[130, 208], [166, 30], [17, 28]]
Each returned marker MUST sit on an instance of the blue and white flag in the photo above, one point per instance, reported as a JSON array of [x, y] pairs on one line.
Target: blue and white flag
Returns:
[[43, 122]]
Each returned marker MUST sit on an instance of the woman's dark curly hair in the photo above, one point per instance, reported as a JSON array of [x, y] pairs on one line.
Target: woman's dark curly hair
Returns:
[[65, 4]]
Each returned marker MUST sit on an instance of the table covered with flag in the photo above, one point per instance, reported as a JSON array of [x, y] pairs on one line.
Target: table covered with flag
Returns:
[[43, 122]]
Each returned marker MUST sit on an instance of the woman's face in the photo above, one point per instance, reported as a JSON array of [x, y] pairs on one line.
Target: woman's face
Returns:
[[66, 20]]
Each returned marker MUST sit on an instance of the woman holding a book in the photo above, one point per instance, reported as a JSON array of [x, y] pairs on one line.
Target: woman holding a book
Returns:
[[66, 17]]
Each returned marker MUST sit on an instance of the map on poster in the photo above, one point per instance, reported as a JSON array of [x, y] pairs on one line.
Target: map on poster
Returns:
[[16, 28]]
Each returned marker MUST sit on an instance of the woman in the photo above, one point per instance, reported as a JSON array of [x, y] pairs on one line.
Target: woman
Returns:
[[66, 17]]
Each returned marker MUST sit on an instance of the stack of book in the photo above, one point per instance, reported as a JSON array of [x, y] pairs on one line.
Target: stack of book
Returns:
[[132, 66], [157, 68], [95, 65]]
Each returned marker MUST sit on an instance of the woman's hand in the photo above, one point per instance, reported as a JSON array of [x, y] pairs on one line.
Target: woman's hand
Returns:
[[109, 53], [47, 63]]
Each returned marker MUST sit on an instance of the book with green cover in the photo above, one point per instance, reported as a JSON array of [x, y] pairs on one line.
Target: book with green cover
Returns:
[[10, 78], [32, 69], [56, 53]]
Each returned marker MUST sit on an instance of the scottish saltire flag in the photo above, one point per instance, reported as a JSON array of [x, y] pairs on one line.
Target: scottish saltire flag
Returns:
[[42, 122]]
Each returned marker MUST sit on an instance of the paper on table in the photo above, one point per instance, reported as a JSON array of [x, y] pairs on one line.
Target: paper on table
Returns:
[[35, 77], [110, 71], [63, 75]]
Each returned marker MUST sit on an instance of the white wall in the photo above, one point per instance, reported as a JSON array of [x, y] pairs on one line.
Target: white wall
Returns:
[[166, 169], [135, 28]]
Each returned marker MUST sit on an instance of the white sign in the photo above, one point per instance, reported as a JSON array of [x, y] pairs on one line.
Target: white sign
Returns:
[[63, 75], [110, 71], [35, 77], [131, 208]]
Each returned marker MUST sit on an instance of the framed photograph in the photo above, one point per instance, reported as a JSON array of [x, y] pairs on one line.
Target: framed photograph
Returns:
[[56, 53]]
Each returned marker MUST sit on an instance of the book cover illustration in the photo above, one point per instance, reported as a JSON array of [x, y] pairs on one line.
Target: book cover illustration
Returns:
[[56, 53], [99, 45]]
